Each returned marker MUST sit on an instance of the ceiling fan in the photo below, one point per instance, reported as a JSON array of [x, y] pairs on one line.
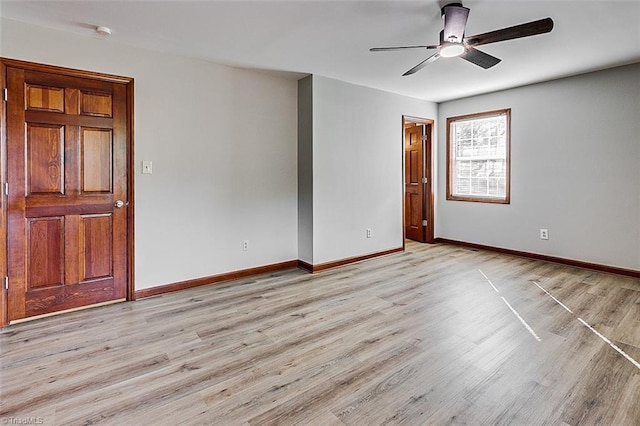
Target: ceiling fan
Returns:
[[454, 43]]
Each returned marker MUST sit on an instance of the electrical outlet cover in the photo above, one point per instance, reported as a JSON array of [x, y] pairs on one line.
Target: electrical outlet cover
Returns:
[[147, 167]]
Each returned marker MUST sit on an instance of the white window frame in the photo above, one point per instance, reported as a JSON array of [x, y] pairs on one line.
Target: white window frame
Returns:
[[452, 173]]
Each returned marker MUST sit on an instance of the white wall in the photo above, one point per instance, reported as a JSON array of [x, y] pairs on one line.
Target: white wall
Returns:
[[1, 50], [575, 169], [357, 168], [223, 145]]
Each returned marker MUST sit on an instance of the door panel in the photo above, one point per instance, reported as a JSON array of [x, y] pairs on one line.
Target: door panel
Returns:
[[414, 188], [66, 167], [44, 98], [99, 104], [414, 163], [45, 252], [96, 151], [95, 246], [45, 159]]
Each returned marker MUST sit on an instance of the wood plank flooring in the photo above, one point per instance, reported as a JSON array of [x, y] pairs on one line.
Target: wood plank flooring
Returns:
[[419, 337]]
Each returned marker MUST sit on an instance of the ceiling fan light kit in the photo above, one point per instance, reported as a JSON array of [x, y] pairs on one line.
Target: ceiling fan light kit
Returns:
[[454, 43], [451, 50]]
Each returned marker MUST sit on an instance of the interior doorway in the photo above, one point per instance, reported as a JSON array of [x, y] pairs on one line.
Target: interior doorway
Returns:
[[417, 137]]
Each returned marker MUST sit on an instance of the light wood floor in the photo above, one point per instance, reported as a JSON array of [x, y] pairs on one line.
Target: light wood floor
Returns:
[[419, 337]]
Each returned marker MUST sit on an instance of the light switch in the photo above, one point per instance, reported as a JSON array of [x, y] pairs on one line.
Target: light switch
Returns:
[[147, 167]]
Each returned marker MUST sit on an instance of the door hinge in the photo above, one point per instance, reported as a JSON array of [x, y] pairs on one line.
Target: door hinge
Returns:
[[5, 94], [424, 223], [6, 188], [424, 180], [6, 283], [425, 138]]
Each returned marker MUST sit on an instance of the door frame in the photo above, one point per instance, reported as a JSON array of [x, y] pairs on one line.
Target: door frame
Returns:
[[428, 193], [130, 164]]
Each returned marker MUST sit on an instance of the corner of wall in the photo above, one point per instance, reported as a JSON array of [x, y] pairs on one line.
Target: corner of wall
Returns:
[[305, 169]]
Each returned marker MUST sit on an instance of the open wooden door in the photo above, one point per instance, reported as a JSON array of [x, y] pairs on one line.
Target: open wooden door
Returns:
[[413, 184], [418, 190], [67, 151]]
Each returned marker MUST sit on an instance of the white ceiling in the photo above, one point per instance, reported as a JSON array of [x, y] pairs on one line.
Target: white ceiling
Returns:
[[332, 38]]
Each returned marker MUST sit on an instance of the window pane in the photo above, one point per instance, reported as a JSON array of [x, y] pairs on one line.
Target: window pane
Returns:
[[463, 168], [482, 147], [492, 188], [497, 168], [493, 146], [478, 168], [464, 148], [479, 187], [463, 186], [463, 130]]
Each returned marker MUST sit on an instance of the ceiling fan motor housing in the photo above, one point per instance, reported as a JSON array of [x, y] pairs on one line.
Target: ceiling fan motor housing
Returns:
[[447, 5], [455, 20]]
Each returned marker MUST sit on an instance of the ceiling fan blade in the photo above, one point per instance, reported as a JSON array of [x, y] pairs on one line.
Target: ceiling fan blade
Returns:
[[422, 64], [517, 31], [479, 58], [455, 20], [384, 49]]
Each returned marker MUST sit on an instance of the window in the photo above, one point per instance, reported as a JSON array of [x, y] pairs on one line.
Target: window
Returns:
[[478, 157]]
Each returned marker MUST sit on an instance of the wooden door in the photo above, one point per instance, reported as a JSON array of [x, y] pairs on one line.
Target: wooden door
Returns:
[[67, 144], [414, 186]]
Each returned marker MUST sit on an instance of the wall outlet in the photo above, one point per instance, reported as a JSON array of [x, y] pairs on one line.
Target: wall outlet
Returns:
[[368, 232], [544, 234], [245, 245]]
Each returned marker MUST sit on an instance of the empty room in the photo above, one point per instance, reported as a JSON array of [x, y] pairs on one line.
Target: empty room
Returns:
[[320, 212]]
